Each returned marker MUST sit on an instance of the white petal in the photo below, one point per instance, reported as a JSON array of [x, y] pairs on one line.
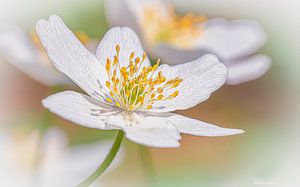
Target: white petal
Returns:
[[200, 77], [198, 128], [128, 42], [79, 108], [70, 57], [232, 39], [18, 50], [247, 69], [146, 130]]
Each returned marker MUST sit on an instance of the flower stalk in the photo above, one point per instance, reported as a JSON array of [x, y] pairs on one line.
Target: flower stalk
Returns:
[[107, 161]]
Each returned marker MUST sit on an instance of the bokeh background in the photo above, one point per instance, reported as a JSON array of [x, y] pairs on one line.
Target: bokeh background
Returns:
[[268, 154]]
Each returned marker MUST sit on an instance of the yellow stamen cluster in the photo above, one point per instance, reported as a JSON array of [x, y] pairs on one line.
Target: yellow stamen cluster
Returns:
[[177, 30], [137, 86]]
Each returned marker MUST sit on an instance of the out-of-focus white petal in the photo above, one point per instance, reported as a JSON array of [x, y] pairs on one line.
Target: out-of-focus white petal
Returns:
[[198, 128], [138, 7], [18, 50], [232, 39], [201, 78], [128, 42], [130, 13], [70, 57], [117, 13], [247, 69], [80, 109], [146, 130]]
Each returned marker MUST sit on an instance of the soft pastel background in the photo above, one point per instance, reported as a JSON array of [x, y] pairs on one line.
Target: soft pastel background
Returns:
[[268, 154]]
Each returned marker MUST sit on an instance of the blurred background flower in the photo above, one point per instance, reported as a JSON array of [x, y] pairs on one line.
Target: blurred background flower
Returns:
[[177, 39], [266, 108], [30, 160], [26, 52]]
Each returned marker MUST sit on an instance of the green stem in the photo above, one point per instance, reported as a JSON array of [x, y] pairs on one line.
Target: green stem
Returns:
[[107, 161]]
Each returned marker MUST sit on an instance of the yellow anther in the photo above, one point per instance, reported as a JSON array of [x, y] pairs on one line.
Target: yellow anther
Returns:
[[117, 48], [131, 56], [111, 94], [149, 107], [162, 79], [152, 96], [160, 97], [118, 104], [137, 60], [159, 73], [176, 83], [115, 89], [107, 66], [109, 100], [175, 94], [107, 84], [123, 70]]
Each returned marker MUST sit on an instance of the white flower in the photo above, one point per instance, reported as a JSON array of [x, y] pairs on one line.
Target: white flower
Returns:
[[25, 52], [23, 164], [125, 91], [178, 39]]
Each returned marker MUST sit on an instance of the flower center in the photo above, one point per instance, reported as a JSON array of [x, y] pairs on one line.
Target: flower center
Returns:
[[137, 86], [180, 31]]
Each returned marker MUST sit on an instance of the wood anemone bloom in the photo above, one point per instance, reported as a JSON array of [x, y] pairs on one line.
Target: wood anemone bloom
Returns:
[[124, 91], [177, 39]]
